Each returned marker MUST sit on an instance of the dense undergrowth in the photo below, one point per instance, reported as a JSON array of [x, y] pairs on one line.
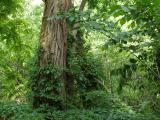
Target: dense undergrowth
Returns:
[[15, 111], [98, 105]]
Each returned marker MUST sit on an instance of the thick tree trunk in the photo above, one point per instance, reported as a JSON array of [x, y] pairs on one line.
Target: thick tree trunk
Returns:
[[54, 34], [53, 44]]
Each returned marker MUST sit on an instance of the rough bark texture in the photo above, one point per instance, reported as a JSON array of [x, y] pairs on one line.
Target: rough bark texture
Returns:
[[53, 44], [54, 34]]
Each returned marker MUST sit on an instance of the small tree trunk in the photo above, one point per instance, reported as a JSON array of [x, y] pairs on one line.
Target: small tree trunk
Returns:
[[77, 48]]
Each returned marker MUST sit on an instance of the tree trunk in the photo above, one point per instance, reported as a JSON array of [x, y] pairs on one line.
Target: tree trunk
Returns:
[[77, 47], [54, 34], [53, 47]]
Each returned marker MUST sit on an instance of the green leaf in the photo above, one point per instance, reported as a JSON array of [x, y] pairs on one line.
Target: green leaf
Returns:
[[122, 21]]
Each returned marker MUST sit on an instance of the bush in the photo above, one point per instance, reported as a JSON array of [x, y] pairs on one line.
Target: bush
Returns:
[[119, 115], [98, 98], [74, 114], [14, 111]]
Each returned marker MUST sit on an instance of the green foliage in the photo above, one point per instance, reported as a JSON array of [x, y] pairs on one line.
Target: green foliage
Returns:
[[127, 116], [15, 50], [14, 111], [92, 73], [99, 99], [101, 5], [46, 85], [83, 69], [9, 7], [74, 114], [114, 67]]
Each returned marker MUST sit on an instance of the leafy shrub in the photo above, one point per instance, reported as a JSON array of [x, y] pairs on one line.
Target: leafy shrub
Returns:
[[14, 111], [98, 98], [145, 107], [119, 115], [74, 114]]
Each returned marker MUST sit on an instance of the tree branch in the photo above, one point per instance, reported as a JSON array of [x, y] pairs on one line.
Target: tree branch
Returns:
[[77, 24]]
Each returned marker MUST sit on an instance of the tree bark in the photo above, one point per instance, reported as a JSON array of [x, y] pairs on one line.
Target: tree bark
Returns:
[[53, 43], [54, 34]]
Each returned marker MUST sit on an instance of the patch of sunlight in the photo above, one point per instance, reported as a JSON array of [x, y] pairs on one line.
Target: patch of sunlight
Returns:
[[35, 2]]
